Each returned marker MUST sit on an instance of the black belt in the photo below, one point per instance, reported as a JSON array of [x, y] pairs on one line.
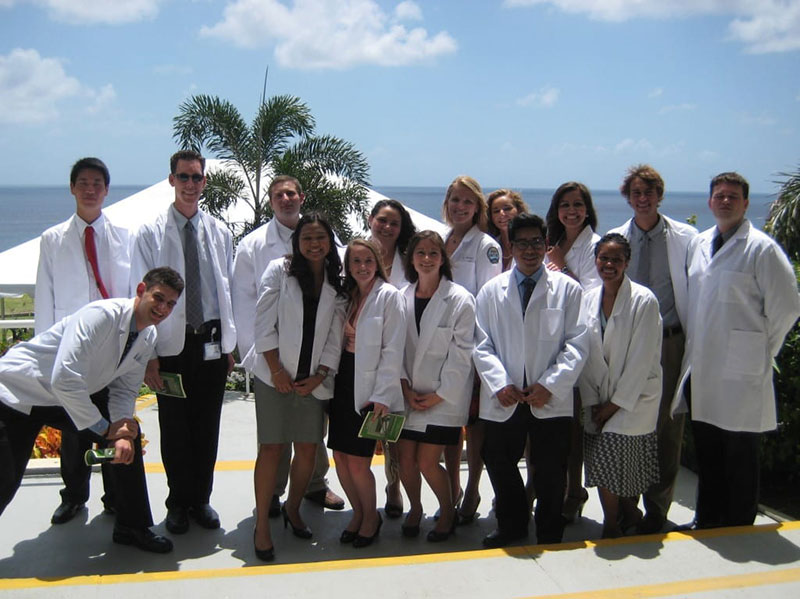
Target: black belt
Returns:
[[672, 331], [205, 330]]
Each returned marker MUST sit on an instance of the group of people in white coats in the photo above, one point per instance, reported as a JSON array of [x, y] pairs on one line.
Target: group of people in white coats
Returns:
[[522, 335]]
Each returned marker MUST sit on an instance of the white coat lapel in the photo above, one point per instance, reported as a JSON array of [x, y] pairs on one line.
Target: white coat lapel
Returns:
[[430, 321]]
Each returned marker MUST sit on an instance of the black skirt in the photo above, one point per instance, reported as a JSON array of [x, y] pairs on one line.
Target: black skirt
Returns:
[[345, 422]]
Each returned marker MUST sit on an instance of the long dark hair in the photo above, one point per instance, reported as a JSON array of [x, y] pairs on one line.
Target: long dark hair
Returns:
[[297, 265], [554, 225], [445, 270], [407, 228]]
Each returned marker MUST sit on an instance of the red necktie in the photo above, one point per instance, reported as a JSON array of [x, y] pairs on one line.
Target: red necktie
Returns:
[[91, 254]]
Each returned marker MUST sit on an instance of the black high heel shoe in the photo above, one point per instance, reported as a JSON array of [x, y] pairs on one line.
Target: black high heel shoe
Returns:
[[410, 530], [302, 533], [573, 506], [362, 541], [348, 536], [265, 555], [434, 536], [463, 517]]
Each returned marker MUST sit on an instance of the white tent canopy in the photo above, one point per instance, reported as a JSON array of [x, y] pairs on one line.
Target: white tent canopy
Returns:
[[18, 264]]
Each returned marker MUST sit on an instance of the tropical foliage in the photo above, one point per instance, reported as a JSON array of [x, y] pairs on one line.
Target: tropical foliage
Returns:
[[280, 140], [784, 214]]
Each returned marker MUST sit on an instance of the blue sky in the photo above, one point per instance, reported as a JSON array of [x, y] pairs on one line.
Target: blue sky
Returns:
[[520, 93]]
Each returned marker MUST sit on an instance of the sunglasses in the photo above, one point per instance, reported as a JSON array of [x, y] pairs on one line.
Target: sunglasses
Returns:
[[184, 177]]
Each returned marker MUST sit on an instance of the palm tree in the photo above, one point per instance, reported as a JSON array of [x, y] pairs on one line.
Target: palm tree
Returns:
[[784, 214], [280, 140]]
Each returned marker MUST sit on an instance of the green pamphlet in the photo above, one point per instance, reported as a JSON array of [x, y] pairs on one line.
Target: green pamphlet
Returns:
[[382, 428]]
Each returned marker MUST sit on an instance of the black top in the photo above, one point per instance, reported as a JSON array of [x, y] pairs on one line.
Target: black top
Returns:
[[310, 304], [420, 303]]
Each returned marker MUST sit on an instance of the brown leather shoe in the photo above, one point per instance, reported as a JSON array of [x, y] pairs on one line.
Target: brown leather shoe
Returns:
[[326, 498]]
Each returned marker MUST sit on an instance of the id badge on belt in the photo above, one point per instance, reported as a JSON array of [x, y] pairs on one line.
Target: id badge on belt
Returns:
[[213, 349]]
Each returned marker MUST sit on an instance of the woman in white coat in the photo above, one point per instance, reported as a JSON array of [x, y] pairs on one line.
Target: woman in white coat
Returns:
[[503, 205], [374, 335], [620, 387], [571, 225], [475, 258], [391, 228], [298, 334], [437, 385]]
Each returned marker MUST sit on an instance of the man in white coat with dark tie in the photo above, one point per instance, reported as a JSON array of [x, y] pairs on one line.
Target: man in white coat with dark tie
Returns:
[[196, 342], [83, 259], [531, 345], [49, 381], [743, 301], [254, 252]]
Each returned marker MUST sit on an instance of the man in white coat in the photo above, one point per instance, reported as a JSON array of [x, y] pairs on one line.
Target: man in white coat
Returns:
[[744, 300], [48, 381], [531, 345], [83, 259], [258, 248], [658, 257], [196, 342]]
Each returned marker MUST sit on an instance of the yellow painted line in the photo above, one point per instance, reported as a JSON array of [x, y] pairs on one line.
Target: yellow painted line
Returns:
[[145, 401], [236, 465], [658, 590], [686, 587]]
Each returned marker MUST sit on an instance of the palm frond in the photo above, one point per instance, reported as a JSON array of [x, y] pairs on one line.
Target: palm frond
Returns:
[[783, 222]]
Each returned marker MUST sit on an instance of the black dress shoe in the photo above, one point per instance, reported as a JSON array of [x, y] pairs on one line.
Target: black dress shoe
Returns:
[[300, 533], [361, 541], [650, 524], [205, 515], [348, 536], [326, 498], [265, 555], [65, 512], [498, 538], [177, 521], [142, 538], [275, 507]]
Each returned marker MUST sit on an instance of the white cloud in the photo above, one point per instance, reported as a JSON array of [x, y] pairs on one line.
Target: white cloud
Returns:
[[408, 11], [632, 145], [546, 97], [82, 12], [762, 119], [761, 25], [707, 155], [655, 92], [686, 106], [330, 33], [32, 88]]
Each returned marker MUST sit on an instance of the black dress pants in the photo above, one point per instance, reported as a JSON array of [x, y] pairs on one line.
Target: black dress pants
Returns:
[[190, 426], [74, 471], [502, 449], [18, 433]]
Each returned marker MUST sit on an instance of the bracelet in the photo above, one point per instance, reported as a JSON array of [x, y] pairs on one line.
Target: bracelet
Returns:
[[277, 371], [324, 373], [565, 270]]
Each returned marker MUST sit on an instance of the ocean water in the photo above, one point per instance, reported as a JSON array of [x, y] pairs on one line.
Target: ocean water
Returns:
[[25, 212]]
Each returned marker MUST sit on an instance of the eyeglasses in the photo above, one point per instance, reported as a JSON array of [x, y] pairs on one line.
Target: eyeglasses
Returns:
[[184, 177], [536, 243]]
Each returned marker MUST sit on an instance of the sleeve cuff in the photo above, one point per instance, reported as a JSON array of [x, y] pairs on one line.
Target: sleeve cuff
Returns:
[[100, 427]]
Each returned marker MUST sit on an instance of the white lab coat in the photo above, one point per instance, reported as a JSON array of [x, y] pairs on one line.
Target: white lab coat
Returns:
[[580, 259], [279, 325], [77, 356], [624, 365], [744, 301], [159, 244], [398, 276], [438, 359], [254, 252], [62, 278], [477, 259], [380, 339], [550, 345], [678, 236]]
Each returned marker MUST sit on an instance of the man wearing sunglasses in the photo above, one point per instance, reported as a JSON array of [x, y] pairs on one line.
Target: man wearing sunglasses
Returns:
[[196, 342], [530, 348]]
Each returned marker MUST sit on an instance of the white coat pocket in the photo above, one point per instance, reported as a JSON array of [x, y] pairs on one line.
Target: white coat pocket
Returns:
[[736, 287], [551, 323], [745, 355], [440, 342]]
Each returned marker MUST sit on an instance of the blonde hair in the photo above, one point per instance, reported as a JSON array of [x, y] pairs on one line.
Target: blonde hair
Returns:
[[480, 218]]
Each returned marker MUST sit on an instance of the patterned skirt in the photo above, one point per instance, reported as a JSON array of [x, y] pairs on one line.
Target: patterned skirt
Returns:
[[626, 465]]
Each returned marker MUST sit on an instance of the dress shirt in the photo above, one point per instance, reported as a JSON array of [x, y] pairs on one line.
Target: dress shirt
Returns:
[[519, 278], [658, 280], [103, 254], [208, 286]]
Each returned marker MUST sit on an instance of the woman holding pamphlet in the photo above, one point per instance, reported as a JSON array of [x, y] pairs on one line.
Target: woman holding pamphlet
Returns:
[[437, 381], [620, 387], [390, 227], [374, 334], [298, 337]]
